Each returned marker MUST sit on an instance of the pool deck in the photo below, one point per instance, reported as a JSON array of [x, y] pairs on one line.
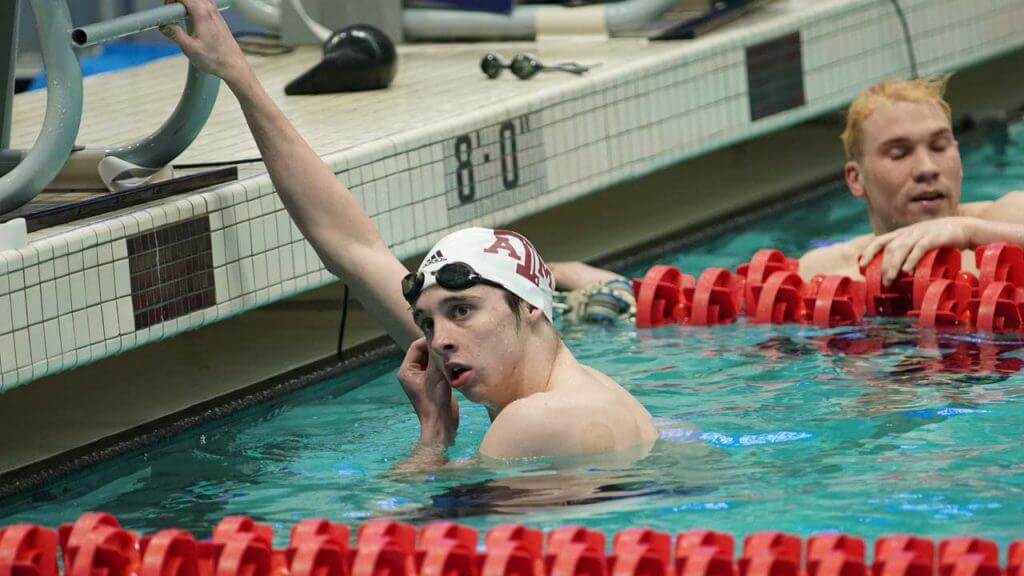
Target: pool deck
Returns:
[[443, 148]]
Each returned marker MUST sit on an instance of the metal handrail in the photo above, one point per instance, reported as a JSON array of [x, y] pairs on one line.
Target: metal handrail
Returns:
[[181, 128], [93, 34], [63, 109], [52, 149]]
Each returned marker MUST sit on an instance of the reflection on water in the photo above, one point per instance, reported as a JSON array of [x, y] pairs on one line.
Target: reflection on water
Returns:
[[668, 469]]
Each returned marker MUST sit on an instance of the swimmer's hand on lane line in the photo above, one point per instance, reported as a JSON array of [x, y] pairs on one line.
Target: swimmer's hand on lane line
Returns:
[[431, 396], [904, 248], [210, 46]]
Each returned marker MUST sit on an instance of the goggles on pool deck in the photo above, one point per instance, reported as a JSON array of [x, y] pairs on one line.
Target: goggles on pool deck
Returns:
[[525, 66], [454, 276]]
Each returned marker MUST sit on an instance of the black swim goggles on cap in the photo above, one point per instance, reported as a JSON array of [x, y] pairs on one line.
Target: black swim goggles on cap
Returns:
[[452, 276]]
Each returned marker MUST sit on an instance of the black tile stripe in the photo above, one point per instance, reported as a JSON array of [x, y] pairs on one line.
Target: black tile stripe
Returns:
[[775, 76], [171, 271]]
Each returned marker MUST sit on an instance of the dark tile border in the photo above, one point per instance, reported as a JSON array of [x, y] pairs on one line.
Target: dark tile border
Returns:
[[171, 270], [775, 76]]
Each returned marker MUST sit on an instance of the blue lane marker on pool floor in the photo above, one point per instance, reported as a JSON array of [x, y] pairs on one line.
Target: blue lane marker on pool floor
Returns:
[[733, 440], [947, 412]]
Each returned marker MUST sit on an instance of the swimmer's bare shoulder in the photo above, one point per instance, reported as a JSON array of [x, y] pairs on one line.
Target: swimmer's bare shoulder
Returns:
[[975, 209], [838, 258], [566, 421]]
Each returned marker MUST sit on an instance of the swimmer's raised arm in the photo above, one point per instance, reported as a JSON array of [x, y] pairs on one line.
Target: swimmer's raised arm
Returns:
[[326, 212]]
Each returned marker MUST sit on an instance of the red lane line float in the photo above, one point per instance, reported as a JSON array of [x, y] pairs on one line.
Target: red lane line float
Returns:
[[768, 289], [835, 303], [105, 551], [641, 552], [999, 262], [835, 555], [509, 546], [28, 550], [509, 558], [170, 552], [317, 556], [230, 526], [576, 551], [770, 554], [73, 536], [404, 535], [574, 534], [1015, 559], [447, 549], [937, 264], [716, 298], [998, 309], [968, 556], [944, 305], [894, 300], [904, 555], [385, 548], [756, 273], [438, 531], [704, 553], [316, 547], [243, 554], [659, 297], [780, 299]]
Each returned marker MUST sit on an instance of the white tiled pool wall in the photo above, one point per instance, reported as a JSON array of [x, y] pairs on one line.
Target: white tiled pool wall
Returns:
[[75, 297]]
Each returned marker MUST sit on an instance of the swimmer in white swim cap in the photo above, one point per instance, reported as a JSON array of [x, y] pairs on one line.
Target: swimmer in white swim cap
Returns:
[[481, 300]]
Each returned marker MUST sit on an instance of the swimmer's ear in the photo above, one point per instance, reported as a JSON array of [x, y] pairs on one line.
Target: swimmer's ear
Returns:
[[854, 180], [533, 313]]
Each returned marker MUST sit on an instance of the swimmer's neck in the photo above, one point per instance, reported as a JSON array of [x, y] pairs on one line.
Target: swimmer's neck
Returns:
[[537, 374]]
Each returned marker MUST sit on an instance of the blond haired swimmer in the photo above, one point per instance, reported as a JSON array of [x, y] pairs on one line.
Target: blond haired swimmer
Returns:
[[904, 163]]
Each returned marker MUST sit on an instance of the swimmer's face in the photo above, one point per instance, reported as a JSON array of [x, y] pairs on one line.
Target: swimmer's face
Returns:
[[475, 336], [910, 168]]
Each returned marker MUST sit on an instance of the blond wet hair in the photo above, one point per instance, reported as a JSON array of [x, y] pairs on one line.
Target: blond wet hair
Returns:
[[888, 92]]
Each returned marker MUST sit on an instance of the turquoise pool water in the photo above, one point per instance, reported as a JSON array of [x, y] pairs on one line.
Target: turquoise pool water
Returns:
[[763, 427]]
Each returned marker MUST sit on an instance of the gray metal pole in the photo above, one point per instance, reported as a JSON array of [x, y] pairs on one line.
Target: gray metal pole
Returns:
[[441, 24], [178, 132], [265, 13], [8, 57], [63, 109], [133, 23]]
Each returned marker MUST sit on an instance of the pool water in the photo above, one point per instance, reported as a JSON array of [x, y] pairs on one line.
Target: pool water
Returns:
[[870, 430]]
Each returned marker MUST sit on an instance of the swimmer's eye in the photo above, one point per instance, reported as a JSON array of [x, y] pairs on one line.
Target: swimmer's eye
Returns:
[[941, 144], [897, 153], [426, 326], [461, 311]]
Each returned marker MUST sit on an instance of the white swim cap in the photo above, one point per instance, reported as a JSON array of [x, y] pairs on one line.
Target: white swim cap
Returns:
[[500, 256]]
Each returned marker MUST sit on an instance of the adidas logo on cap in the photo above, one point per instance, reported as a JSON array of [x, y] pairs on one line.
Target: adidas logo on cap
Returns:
[[434, 258]]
